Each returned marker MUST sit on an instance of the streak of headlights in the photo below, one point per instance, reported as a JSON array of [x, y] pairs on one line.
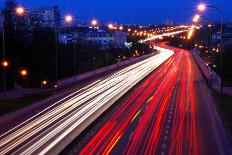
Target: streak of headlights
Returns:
[[64, 116]]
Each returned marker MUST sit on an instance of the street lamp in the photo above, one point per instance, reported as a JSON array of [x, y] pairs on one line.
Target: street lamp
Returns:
[[23, 72], [5, 64], [202, 7], [195, 20], [94, 23], [111, 26], [19, 10], [44, 83], [68, 19]]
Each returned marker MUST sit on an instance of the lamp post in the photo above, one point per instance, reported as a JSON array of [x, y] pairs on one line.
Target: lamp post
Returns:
[[43, 83], [94, 23], [20, 12], [56, 55], [110, 26], [211, 54], [68, 20], [4, 62], [202, 7], [196, 19]]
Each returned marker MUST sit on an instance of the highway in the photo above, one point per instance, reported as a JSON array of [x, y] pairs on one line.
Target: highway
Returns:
[[171, 112], [51, 130]]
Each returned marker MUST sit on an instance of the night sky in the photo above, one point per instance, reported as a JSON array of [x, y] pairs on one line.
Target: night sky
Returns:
[[133, 11]]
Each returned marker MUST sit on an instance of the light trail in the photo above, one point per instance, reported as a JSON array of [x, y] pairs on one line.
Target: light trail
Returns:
[[163, 35], [152, 101], [42, 132]]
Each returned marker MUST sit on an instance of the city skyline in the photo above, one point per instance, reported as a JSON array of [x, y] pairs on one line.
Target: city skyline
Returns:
[[128, 12]]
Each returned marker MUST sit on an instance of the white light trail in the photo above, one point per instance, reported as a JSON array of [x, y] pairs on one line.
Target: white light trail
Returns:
[[43, 131]]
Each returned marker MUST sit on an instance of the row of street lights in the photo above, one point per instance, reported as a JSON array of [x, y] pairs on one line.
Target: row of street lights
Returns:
[[19, 11], [202, 7]]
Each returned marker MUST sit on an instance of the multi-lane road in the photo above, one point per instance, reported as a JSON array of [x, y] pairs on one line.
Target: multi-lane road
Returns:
[[53, 128], [171, 112]]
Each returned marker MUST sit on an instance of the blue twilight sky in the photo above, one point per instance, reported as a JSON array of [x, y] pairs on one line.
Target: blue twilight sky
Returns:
[[133, 11]]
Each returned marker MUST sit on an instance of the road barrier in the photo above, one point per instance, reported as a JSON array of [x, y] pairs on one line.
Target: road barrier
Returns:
[[208, 73]]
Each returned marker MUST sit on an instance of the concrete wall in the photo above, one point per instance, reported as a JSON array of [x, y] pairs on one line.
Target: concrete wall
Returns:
[[208, 74]]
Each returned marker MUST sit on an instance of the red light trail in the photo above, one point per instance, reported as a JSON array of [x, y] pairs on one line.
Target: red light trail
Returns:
[[149, 109]]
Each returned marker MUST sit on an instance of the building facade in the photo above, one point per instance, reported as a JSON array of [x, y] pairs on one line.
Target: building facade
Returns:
[[106, 39], [45, 17]]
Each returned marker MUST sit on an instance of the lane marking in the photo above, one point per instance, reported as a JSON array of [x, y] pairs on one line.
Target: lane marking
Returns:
[[149, 99], [165, 138], [135, 116], [164, 146]]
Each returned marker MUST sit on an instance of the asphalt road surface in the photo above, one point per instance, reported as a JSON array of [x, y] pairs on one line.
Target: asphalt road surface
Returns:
[[51, 129], [171, 112]]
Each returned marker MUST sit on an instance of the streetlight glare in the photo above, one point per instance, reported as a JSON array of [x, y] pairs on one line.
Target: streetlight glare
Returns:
[[94, 22], [23, 72], [110, 26], [201, 7], [68, 19], [197, 16], [195, 20], [44, 82], [5, 64], [20, 10]]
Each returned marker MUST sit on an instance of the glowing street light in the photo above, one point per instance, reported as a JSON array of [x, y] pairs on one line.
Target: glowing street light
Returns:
[[68, 19], [121, 28], [20, 10], [201, 7], [197, 16], [44, 82], [94, 22], [110, 26], [23, 72], [195, 20], [5, 64]]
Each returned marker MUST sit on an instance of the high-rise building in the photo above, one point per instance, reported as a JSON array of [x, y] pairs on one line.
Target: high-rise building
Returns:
[[45, 17]]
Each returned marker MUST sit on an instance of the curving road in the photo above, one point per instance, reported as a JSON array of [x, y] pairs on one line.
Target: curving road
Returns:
[[171, 112], [52, 129]]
